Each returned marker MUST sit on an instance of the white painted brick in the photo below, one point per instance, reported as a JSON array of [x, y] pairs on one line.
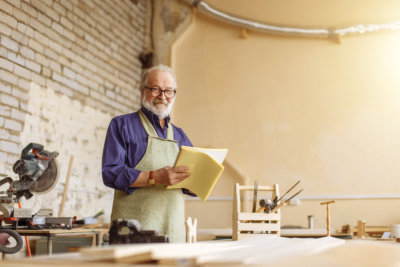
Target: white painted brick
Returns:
[[53, 14], [18, 115], [46, 72], [70, 35], [1, 121], [15, 138], [19, 37], [76, 67], [37, 25], [67, 4], [110, 94], [29, 31], [63, 60], [41, 38], [9, 43], [4, 134], [57, 27], [24, 84], [4, 29], [9, 147], [66, 91], [36, 46], [12, 125], [21, 16], [84, 90], [57, 77], [50, 53], [29, 9], [6, 64], [22, 72], [57, 47], [16, 58], [69, 73], [39, 58], [21, 27], [6, 7], [66, 23], [5, 88], [48, 2], [38, 79], [39, 5], [60, 9], [16, 3], [8, 77], [9, 100], [44, 19], [7, 19], [27, 52], [33, 66], [20, 94], [5, 110]]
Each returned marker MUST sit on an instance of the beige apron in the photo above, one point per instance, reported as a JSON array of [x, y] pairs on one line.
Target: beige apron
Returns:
[[155, 207]]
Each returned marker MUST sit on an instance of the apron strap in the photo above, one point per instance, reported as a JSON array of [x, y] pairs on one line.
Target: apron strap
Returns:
[[149, 128]]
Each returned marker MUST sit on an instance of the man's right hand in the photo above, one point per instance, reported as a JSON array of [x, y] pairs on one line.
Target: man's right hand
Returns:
[[171, 175]]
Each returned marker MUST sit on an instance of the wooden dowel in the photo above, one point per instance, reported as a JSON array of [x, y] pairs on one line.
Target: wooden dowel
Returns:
[[64, 196]]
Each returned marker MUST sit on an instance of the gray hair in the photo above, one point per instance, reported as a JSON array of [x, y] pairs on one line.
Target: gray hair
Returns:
[[146, 73]]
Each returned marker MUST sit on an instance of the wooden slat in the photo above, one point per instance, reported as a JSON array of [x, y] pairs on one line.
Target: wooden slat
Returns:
[[260, 188], [246, 216], [259, 226]]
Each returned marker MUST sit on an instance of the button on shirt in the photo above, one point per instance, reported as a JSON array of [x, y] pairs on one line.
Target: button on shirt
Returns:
[[125, 146]]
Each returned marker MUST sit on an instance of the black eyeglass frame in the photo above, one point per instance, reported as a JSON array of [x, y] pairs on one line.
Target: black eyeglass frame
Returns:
[[152, 89]]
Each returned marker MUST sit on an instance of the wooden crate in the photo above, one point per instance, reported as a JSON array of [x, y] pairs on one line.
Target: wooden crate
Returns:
[[250, 224]]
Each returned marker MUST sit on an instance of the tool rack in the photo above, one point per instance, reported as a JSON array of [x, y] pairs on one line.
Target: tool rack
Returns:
[[250, 224]]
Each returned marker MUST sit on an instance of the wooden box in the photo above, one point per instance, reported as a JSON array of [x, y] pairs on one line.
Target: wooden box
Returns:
[[250, 224]]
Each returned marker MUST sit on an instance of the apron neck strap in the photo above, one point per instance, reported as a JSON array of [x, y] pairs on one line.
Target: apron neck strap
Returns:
[[149, 128]]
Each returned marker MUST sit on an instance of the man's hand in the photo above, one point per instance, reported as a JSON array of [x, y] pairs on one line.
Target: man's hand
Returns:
[[171, 176]]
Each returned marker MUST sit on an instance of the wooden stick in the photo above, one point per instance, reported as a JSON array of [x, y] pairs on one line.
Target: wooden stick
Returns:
[[64, 196], [328, 219]]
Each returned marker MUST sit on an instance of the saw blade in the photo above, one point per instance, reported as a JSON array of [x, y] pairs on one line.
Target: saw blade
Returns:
[[48, 180]]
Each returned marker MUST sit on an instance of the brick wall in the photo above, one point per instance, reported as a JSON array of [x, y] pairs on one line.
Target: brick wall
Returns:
[[66, 68]]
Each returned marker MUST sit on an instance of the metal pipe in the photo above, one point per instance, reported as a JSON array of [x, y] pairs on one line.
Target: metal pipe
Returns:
[[329, 33]]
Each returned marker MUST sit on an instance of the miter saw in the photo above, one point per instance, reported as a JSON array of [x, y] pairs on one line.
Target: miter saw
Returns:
[[38, 173]]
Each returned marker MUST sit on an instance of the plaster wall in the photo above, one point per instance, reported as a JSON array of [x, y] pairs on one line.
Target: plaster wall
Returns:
[[290, 108]]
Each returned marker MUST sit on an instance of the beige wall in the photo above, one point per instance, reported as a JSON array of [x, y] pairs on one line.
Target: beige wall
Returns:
[[292, 108]]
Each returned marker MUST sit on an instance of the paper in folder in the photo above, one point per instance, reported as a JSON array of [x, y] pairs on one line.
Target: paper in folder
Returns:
[[205, 168]]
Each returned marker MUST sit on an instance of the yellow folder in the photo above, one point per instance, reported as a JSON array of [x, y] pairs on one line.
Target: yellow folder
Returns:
[[205, 169]]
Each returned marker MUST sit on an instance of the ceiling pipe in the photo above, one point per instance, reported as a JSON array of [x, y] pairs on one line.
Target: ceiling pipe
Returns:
[[326, 33]]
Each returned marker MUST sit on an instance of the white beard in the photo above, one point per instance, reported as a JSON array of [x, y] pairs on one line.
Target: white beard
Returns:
[[162, 108]]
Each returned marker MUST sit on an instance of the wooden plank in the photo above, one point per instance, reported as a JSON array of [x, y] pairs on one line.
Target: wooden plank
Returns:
[[246, 216], [259, 226]]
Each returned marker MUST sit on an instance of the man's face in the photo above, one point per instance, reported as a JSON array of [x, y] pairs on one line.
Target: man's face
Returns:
[[159, 105]]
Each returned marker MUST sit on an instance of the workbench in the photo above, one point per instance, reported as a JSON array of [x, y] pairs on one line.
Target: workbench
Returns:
[[50, 233], [302, 252]]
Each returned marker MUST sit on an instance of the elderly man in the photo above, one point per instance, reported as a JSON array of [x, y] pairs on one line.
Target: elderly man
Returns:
[[139, 152]]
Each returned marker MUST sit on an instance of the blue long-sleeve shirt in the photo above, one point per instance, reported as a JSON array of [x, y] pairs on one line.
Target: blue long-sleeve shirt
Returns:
[[126, 144]]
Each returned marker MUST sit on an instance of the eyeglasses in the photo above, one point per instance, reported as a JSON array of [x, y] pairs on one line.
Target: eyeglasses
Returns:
[[157, 91]]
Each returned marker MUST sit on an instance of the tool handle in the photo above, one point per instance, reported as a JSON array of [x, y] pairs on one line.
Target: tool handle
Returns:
[[283, 203]]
